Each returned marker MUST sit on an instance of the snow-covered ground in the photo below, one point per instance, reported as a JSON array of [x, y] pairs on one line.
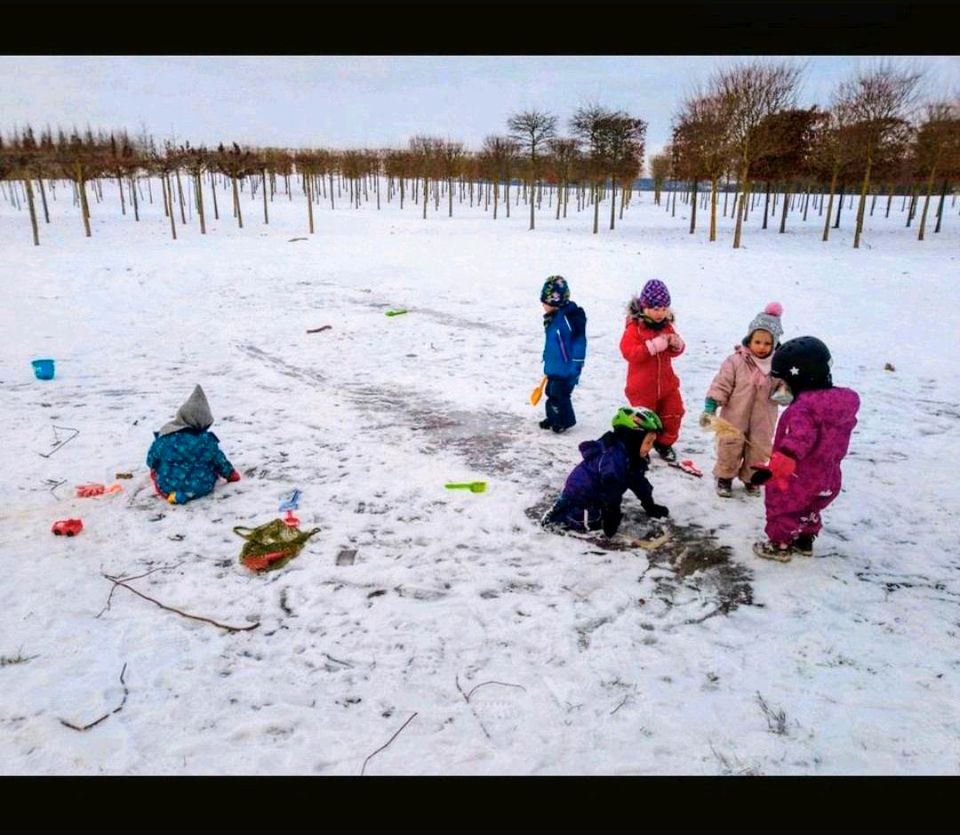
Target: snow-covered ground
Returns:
[[492, 646]]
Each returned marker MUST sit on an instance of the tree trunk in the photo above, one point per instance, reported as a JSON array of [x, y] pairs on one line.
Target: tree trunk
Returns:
[[806, 204], [613, 199], [84, 207], [786, 203], [843, 187], [713, 208], [912, 208], [426, 196], [183, 214], [133, 199], [123, 205], [926, 202], [307, 181], [532, 205], [596, 208], [449, 198], [213, 191], [263, 177], [693, 206], [861, 208], [168, 204], [330, 174], [943, 197], [198, 186], [43, 200], [833, 185], [740, 209], [506, 196], [236, 201], [33, 210], [766, 205]]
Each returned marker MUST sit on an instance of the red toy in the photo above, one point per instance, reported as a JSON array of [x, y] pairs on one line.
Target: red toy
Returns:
[[67, 527]]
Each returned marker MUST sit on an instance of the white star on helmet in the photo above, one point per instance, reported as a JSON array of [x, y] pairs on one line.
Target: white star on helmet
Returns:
[[794, 371]]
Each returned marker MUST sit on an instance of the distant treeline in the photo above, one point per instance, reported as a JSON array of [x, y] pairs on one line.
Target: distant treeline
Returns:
[[743, 136]]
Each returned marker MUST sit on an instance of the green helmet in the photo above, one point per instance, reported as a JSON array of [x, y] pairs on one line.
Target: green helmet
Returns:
[[640, 418]]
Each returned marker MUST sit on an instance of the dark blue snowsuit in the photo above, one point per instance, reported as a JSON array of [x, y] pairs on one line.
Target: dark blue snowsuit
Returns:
[[564, 352], [594, 490]]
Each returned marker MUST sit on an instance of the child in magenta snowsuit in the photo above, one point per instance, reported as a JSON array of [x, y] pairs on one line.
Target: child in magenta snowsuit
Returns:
[[812, 438], [742, 389]]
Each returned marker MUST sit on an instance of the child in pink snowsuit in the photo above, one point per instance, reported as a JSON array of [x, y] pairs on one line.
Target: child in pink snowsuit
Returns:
[[803, 475], [742, 389]]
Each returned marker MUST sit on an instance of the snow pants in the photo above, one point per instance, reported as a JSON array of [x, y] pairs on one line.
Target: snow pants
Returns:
[[670, 409], [735, 455], [791, 513], [559, 407]]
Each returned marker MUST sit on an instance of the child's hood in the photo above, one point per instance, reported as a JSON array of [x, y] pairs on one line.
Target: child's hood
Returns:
[[193, 414]]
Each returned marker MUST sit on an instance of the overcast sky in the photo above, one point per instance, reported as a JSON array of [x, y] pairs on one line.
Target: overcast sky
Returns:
[[376, 101]]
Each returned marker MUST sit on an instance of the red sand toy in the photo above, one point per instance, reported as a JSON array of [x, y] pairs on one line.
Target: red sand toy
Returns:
[[67, 527]]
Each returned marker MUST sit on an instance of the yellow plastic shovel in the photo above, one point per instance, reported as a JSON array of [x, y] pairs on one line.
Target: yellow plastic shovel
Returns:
[[537, 393], [472, 486]]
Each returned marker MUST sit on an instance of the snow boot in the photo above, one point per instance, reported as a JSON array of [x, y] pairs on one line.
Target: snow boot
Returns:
[[545, 424], [725, 487], [772, 551], [751, 489], [803, 544], [666, 452]]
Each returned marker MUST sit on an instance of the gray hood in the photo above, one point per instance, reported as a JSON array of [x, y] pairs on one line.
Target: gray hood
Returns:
[[193, 414]]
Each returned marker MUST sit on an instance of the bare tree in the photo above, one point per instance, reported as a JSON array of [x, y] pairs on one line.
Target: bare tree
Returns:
[[532, 130], [701, 147], [563, 157], [751, 92], [937, 149], [879, 101], [660, 167]]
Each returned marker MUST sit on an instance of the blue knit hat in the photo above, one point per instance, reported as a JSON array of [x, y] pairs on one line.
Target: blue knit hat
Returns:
[[555, 291]]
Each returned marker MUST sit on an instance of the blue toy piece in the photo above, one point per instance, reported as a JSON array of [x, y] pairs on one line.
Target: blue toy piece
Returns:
[[290, 502], [43, 369]]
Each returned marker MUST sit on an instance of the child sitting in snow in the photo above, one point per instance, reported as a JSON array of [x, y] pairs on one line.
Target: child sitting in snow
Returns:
[[611, 465], [803, 474], [742, 389], [184, 458], [564, 351], [649, 344]]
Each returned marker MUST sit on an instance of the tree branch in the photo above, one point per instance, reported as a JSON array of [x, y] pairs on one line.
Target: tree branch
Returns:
[[119, 582], [392, 738], [117, 709]]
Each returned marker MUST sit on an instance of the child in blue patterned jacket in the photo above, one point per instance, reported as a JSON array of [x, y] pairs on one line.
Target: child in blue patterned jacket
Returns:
[[564, 351], [185, 457]]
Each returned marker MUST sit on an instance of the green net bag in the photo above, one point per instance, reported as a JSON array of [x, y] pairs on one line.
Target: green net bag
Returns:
[[271, 545]]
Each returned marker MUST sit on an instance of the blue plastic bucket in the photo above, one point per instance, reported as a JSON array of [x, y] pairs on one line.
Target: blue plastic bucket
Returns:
[[43, 369]]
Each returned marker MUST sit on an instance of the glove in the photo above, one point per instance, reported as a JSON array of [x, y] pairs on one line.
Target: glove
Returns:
[[778, 471], [706, 418], [656, 511], [610, 518], [675, 341], [234, 476], [658, 344]]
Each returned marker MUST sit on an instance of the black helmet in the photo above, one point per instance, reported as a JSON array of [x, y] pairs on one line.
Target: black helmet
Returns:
[[803, 364]]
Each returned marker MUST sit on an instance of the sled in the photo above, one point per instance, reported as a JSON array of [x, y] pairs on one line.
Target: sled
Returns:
[[687, 466]]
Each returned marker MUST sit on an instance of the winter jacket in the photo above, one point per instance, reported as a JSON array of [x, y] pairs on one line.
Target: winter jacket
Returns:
[[597, 484], [187, 462], [565, 341], [742, 390], [650, 376], [815, 430]]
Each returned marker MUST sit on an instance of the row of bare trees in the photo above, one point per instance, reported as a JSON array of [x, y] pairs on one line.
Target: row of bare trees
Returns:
[[746, 124], [744, 129]]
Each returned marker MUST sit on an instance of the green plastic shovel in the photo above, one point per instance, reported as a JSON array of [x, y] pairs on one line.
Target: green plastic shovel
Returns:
[[472, 486], [396, 312]]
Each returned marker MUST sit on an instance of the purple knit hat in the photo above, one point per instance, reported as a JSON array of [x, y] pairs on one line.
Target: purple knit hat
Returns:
[[655, 294]]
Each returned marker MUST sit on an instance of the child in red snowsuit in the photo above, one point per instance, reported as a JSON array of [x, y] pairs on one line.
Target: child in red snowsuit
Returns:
[[649, 344], [803, 475]]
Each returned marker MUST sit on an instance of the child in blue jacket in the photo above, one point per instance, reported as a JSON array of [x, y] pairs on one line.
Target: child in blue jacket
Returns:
[[564, 350], [613, 464], [185, 458]]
